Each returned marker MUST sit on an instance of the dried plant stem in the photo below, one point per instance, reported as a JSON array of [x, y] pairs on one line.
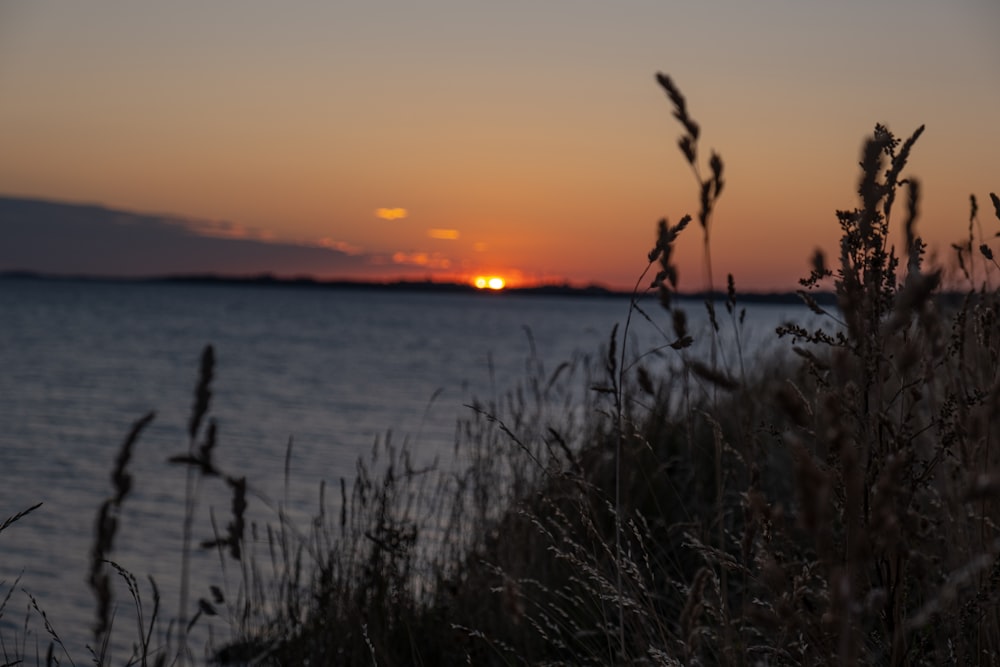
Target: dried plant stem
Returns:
[[203, 395], [191, 485]]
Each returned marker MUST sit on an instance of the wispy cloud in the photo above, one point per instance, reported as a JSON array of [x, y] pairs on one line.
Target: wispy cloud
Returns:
[[391, 213], [424, 259], [222, 229], [443, 234], [341, 246]]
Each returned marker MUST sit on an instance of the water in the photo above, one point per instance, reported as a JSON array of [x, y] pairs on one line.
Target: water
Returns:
[[331, 369]]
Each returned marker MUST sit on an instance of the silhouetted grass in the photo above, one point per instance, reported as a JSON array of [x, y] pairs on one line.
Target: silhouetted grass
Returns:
[[834, 505]]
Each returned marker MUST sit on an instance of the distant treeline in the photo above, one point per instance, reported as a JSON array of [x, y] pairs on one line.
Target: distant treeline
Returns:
[[821, 297]]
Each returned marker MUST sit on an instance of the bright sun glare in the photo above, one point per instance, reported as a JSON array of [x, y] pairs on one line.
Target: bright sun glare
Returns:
[[490, 282]]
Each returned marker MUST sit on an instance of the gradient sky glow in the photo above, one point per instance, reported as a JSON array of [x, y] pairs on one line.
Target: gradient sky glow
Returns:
[[523, 139]]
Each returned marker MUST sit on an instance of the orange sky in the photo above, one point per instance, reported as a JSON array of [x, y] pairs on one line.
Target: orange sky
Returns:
[[524, 139]]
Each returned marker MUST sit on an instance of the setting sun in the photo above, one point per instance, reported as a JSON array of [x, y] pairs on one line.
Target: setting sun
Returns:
[[490, 282]]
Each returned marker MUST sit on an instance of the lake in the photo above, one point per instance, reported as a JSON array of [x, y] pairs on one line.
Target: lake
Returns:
[[330, 369]]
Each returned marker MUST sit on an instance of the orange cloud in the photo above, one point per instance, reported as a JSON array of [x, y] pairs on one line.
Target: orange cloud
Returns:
[[443, 234], [391, 213], [429, 260]]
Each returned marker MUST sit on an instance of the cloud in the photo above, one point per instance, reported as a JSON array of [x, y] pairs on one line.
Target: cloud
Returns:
[[424, 259], [391, 213], [73, 239], [222, 229], [443, 234], [342, 246]]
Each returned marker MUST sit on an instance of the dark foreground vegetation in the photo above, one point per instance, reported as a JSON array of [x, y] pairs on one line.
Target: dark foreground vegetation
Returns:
[[838, 505]]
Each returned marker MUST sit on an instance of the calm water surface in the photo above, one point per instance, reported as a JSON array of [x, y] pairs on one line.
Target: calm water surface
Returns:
[[333, 369]]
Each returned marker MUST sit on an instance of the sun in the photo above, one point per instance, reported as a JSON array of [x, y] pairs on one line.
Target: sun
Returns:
[[490, 282]]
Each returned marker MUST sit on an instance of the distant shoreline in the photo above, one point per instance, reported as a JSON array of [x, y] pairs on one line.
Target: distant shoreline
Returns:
[[267, 280]]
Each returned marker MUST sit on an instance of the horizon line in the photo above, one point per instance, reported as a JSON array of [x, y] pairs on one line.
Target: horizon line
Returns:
[[427, 284]]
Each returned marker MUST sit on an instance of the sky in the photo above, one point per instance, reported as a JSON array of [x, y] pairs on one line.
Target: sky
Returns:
[[456, 138]]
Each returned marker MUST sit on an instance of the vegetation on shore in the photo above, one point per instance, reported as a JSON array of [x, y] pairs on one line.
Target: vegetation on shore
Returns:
[[837, 505]]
